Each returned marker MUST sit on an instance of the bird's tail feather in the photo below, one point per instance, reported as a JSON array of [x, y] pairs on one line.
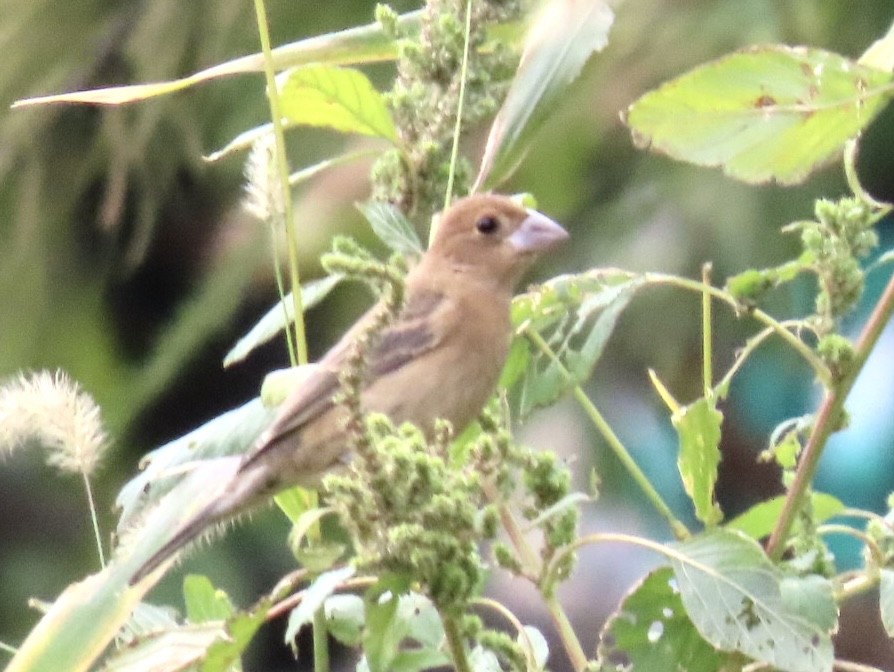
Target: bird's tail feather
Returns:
[[235, 492]]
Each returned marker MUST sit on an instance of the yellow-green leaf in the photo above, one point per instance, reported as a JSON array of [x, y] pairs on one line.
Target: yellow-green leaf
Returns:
[[342, 99], [766, 113]]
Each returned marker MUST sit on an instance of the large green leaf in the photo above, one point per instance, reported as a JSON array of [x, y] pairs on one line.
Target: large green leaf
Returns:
[[330, 96], [758, 521], [392, 227], [733, 594], [766, 113], [561, 38], [651, 631]]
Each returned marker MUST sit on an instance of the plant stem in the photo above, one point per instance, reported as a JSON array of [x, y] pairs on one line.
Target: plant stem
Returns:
[[819, 367], [454, 152], [827, 421], [566, 633], [707, 351], [455, 644], [321, 641], [678, 529], [92, 506], [300, 356]]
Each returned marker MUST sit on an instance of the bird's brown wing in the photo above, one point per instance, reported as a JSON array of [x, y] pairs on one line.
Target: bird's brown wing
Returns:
[[407, 338]]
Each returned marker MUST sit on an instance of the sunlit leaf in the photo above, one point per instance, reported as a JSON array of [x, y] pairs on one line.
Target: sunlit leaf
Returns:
[[651, 631], [339, 98], [562, 37], [767, 113], [733, 595], [881, 53], [698, 426], [203, 601], [758, 521], [281, 314]]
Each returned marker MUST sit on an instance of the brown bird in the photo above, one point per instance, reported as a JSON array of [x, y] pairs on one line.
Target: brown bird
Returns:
[[440, 358]]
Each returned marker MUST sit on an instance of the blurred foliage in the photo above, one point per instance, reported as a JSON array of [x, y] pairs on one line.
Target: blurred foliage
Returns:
[[126, 260]]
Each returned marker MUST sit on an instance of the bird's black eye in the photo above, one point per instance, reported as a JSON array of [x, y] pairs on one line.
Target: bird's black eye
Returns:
[[487, 225]]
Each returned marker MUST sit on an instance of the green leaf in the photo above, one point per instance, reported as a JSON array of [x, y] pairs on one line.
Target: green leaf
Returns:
[[280, 315], [758, 521], [314, 596], [391, 227], [732, 593], [886, 599], [812, 598], [575, 315], [345, 618], [561, 39], [204, 602], [767, 113], [232, 433], [383, 633], [698, 426], [181, 648], [342, 99], [652, 632], [227, 650], [363, 44], [881, 53]]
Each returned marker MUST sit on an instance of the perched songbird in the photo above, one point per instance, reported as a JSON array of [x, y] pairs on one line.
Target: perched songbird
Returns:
[[440, 358]]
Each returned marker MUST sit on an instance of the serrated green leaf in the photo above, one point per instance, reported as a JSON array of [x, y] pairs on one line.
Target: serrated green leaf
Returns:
[[321, 588], [886, 599], [280, 315], [203, 601], [391, 226], [733, 595], [698, 426], [342, 99], [766, 113], [758, 521], [561, 39], [652, 632]]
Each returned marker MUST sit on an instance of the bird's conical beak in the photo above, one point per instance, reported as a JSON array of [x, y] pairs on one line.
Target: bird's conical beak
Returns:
[[537, 233]]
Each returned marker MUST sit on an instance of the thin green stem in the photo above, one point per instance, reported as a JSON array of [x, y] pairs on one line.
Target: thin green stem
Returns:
[[300, 354], [678, 529], [878, 558], [819, 367], [93, 518], [455, 644], [506, 613], [321, 641], [464, 69], [566, 633], [828, 420], [707, 350]]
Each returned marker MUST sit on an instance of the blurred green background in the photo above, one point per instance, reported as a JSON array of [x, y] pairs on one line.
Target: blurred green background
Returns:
[[127, 261]]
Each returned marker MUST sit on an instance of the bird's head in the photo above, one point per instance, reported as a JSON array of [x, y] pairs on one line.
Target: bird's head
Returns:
[[493, 238]]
